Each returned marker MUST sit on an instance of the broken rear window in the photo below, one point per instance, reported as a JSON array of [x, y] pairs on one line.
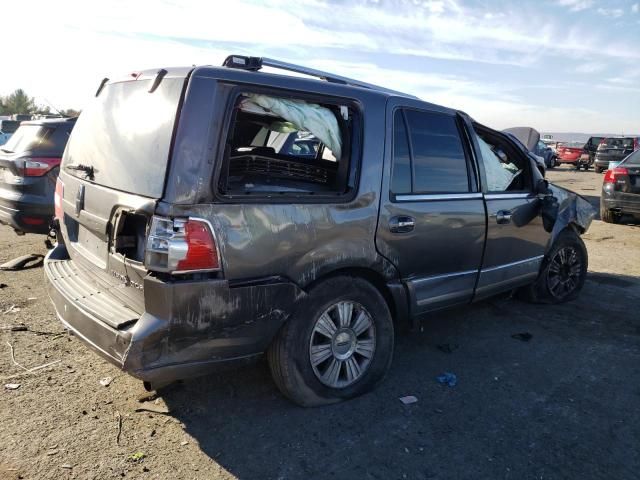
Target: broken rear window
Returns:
[[287, 146]]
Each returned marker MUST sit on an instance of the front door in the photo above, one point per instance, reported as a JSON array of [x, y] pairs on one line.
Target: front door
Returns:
[[516, 238], [432, 216]]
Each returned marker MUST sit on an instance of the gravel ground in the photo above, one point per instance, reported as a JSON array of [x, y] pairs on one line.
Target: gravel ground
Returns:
[[561, 405]]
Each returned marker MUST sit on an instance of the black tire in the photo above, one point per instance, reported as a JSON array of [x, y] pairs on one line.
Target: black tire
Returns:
[[542, 291], [607, 215], [598, 169], [289, 354]]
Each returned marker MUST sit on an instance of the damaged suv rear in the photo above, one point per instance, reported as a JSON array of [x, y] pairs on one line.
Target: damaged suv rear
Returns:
[[210, 215]]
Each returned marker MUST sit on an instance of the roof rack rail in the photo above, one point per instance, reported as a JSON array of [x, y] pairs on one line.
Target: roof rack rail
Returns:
[[254, 64]]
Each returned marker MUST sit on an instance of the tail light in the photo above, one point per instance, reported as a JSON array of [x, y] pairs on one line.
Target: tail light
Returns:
[[612, 175], [181, 246], [38, 166], [57, 200]]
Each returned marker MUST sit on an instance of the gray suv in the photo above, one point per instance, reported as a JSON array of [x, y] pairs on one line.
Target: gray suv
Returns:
[[212, 214]]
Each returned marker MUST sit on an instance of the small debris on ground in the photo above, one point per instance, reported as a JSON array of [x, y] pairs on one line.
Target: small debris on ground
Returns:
[[67, 466], [448, 347], [524, 336], [408, 400], [106, 381], [147, 396], [447, 378], [52, 452], [12, 386], [136, 457], [25, 261], [15, 328], [153, 408], [11, 309], [3, 285], [184, 443]]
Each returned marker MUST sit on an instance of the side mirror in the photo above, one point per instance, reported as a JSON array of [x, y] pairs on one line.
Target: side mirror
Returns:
[[542, 187]]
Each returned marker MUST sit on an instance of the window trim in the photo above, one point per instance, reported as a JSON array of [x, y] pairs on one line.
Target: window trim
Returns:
[[355, 143]]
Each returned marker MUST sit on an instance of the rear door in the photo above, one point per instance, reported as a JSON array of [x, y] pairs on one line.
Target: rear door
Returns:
[[113, 172], [432, 217]]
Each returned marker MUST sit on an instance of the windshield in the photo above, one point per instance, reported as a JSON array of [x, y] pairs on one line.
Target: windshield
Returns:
[[28, 137], [125, 135]]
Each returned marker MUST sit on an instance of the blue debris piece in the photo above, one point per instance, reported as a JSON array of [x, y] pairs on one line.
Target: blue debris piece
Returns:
[[447, 378]]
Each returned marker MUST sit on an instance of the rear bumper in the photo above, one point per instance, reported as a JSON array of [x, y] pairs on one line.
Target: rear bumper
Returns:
[[614, 202], [26, 217], [187, 329]]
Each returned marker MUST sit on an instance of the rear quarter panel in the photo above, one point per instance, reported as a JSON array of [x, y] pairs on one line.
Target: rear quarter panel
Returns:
[[299, 241]]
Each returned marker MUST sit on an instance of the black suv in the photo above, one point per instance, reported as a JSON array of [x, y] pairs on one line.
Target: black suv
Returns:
[[29, 165], [211, 214], [614, 149]]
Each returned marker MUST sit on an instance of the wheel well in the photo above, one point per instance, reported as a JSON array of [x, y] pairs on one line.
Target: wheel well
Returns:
[[375, 279]]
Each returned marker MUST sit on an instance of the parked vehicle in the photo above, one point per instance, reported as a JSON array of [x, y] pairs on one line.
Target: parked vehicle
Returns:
[[621, 190], [188, 238], [538, 161], [29, 165], [590, 149], [7, 128], [614, 149], [570, 153], [547, 153]]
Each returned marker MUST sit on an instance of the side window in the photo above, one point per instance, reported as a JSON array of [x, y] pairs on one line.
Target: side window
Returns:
[[288, 146], [505, 170], [401, 165], [439, 163]]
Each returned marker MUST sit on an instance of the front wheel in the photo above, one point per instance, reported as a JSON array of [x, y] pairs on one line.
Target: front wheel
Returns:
[[563, 271], [336, 346]]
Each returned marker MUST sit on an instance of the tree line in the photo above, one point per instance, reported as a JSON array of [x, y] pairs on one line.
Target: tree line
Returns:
[[19, 102]]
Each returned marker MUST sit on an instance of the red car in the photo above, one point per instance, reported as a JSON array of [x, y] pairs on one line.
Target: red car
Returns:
[[570, 152]]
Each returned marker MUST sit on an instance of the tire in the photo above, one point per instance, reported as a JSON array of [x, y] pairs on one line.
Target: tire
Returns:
[[607, 215], [545, 289], [290, 358], [598, 169]]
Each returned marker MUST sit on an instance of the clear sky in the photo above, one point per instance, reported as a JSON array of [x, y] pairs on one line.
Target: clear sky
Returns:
[[556, 65]]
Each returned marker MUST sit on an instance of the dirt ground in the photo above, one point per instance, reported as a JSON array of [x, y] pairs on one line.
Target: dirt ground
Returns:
[[562, 405]]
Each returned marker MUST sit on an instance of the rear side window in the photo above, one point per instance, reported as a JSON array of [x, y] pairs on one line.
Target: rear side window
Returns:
[[438, 161], [282, 146]]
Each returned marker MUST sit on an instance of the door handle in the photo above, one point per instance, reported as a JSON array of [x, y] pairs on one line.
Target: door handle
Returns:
[[401, 224], [503, 217]]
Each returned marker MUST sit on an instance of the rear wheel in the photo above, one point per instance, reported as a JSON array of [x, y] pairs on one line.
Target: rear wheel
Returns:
[[608, 216], [563, 271], [337, 345]]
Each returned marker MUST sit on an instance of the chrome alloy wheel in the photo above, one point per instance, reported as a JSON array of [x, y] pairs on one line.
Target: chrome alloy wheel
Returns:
[[342, 344], [564, 271]]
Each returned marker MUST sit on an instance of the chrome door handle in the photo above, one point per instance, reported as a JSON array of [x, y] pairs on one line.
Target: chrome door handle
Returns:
[[401, 224], [503, 217]]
